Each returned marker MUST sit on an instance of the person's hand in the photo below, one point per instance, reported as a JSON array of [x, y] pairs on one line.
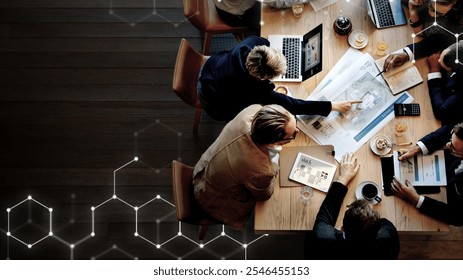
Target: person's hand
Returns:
[[433, 62], [395, 60], [343, 106], [348, 168], [409, 153], [405, 191]]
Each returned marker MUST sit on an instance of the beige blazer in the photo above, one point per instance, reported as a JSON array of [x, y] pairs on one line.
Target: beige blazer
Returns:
[[233, 173]]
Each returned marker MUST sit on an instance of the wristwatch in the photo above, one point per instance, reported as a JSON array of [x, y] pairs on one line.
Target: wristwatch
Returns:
[[414, 24]]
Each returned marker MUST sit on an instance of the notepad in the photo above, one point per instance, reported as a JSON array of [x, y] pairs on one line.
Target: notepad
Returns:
[[312, 172], [400, 78]]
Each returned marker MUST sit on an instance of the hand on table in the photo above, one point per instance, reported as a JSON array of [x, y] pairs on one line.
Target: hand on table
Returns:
[[348, 168], [409, 153], [405, 191]]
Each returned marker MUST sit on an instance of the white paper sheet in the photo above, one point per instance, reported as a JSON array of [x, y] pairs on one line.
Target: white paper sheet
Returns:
[[422, 170]]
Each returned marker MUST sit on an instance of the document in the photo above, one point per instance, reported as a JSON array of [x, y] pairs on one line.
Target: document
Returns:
[[400, 78], [312, 172], [422, 170], [349, 131]]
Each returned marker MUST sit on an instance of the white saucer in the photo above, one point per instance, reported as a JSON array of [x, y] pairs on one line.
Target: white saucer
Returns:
[[288, 90], [358, 191], [351, 39], [375, 150]]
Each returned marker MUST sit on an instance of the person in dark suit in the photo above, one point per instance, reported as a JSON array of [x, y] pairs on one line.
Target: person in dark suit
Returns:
[[445, 77], [233, 80], [452, 211], [364, 235]]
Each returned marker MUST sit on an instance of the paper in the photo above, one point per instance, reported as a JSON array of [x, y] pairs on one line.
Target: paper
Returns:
[[312, 172], [317, 5], [349, 131], [422, 170], [400, 78]]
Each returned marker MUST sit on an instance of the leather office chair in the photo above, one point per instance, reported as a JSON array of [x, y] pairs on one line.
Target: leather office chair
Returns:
[[186, 207], [203, 15], [185, 81]]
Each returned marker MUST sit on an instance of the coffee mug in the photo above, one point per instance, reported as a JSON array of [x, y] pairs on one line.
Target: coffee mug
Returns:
[[370, 192]]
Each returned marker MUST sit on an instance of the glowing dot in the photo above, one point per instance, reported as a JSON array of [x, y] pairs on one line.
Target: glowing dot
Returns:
[[413, 35], [158, 246], [175, 24], [158, 121], [29, 197], [179, 134], [114, 246], [72, 246], [158, 196], [266, 234], [179, 233], [8, 233], [135, 158], [223, 233], [135, 234], [50, 209], [457, 61], [136, 208], [456, 35], [245, 245], [413, 61], [50, 233], [435, 23], [29, 246], [8, 209], [114, 196], [111, 12], [158, 171], [201, 246], [132, 24], [92, 234], [158, 221], [154, 12], [261, 23], [92, 208]]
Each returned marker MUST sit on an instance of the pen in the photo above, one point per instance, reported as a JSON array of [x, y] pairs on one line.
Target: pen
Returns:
[[356, 102], [379, 73], [404, 144], [409, 162]]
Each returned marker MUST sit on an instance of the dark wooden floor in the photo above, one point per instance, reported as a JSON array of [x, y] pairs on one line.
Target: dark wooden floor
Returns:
[[85, 86]]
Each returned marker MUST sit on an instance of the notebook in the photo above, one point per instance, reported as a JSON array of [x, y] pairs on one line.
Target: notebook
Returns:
[[385, 13], [303, 54]]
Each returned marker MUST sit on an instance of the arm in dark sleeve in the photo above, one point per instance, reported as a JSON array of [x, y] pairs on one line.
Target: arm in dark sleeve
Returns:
[[441, 211], [429, 45], [437, 139], [438, 96], [329, 210], [298, 106]]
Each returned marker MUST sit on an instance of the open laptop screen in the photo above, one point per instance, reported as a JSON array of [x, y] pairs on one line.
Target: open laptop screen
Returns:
[[312, 52]]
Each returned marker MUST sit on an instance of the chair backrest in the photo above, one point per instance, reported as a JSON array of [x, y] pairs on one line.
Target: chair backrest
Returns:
[[186, 72], [197, 12]]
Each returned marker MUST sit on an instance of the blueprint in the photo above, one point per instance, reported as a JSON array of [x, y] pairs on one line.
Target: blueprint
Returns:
[[349, 131]]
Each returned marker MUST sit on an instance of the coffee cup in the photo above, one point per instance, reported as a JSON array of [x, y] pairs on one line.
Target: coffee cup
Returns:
[[370, 192]]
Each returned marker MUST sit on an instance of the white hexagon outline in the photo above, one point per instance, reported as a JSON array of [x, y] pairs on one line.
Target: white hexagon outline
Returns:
[[50, 232]]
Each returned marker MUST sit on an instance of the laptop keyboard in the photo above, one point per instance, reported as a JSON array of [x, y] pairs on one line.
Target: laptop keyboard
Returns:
[[292, 52], [384, 12]]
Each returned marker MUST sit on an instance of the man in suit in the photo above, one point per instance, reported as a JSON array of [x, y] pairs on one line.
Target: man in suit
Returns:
[[240, 167], [444, 78], [364, 235], [452, 211]]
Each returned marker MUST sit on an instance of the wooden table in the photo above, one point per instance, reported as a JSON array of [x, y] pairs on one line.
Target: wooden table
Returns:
[[284, 211]]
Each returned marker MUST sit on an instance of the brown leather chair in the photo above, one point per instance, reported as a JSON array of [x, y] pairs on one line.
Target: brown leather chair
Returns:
[[203, 15], [185, 81], [186, 208]]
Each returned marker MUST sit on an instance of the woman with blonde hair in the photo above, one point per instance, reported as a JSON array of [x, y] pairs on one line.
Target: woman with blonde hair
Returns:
[[232, 80]]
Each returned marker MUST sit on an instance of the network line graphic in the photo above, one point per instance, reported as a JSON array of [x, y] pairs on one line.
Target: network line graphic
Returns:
[[159, 244]]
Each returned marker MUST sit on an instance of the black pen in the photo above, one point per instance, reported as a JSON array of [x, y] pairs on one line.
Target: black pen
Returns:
[[409, 162], [380, 73]]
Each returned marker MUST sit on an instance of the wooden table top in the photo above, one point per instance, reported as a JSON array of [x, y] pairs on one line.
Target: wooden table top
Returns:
[[285, 211]]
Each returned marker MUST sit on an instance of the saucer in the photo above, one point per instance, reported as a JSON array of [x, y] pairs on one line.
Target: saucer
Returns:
[[284, 90], [358, 191], [351, 39], [375, 150]]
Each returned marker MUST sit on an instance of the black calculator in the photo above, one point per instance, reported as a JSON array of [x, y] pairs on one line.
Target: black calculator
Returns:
[[408, 109]]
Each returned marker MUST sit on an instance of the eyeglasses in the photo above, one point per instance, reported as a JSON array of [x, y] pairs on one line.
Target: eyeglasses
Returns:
[[453, 150], [292, 137]]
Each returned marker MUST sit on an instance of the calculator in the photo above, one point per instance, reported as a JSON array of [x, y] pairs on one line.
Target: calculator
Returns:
[[408, 109]]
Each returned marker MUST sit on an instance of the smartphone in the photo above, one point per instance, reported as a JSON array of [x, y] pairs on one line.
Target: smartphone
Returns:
[[407, 109]]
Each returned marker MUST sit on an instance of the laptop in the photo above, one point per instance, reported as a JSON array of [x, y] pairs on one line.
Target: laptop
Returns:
[[303, 54], [386, 13]]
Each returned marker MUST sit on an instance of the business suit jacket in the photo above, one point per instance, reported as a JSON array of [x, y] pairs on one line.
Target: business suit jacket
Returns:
[[327, 242], [446, 95], [452, 211], [234, 172], [225, 86]]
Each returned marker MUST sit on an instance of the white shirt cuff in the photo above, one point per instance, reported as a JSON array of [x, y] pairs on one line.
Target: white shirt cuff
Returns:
[[409, 52], [423, 148], [420, 202], [434, 75]]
